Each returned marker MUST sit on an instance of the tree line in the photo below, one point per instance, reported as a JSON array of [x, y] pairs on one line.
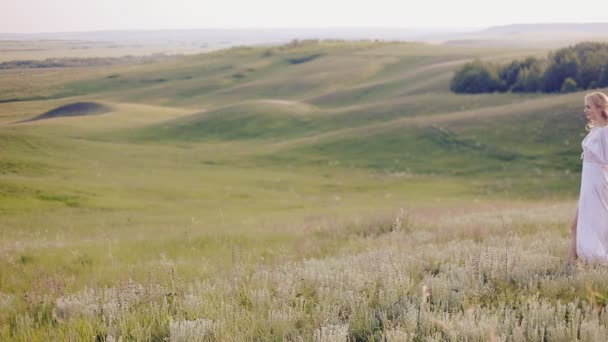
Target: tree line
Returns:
[[577, 67]]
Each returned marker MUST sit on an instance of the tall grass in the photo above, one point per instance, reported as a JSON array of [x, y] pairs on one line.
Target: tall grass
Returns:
[[506, 280], [153, 223]]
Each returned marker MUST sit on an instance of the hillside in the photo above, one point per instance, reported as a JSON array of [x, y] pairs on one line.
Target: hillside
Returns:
[[531, 36], [593, 28], [281, 189], [378, 106]]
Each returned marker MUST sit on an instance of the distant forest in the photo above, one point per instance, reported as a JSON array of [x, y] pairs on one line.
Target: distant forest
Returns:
[[578, 67]]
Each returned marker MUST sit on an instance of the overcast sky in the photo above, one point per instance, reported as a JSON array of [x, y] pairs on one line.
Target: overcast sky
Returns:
[[29, 16]]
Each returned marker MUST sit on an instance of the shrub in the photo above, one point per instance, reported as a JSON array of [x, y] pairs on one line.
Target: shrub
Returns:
[[568, 86], [477, 77]]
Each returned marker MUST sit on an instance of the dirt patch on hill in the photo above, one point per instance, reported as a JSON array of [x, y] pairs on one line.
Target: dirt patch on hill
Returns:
[[73, 109]]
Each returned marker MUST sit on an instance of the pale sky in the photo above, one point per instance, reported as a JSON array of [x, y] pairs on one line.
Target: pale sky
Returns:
[[29, 16]]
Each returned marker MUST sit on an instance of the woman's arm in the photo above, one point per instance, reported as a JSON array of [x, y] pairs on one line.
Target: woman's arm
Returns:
[[573, 227], [574, 221]]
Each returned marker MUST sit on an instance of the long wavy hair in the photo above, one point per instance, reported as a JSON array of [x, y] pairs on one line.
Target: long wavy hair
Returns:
[[599, 100]]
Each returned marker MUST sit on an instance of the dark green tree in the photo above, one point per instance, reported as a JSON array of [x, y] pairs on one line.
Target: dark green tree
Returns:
[[530, 76], [603, 77], [563, 63], [508, 74], [591, 67], [477, 77], [582, 66]]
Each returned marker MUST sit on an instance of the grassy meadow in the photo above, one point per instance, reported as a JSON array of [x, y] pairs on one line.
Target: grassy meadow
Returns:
[[314, 191]]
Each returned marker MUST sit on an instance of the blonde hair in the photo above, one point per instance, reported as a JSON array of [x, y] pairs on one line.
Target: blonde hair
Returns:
[[599, 100]]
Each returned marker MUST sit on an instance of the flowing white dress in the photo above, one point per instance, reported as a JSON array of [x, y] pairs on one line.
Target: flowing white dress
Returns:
[[592, 223]]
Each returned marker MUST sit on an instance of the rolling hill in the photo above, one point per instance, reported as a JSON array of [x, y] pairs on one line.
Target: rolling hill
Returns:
[[244, 184], [377, 106]]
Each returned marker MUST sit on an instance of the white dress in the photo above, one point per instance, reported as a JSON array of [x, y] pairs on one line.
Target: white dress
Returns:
[[592, 223]]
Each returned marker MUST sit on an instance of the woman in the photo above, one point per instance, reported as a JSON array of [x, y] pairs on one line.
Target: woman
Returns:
[[589, 230]]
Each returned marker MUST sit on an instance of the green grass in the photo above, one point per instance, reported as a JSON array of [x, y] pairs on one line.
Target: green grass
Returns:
[[239, 162]]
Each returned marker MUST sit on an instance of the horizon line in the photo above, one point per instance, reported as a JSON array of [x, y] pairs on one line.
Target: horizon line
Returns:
[[241, 28]]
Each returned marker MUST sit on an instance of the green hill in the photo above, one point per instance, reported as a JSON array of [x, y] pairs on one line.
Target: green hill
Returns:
[[278, 119], [203, 170], [373, 106]]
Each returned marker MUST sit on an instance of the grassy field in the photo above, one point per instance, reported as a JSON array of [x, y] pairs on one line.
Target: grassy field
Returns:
[[77, 47], [324, 191]]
